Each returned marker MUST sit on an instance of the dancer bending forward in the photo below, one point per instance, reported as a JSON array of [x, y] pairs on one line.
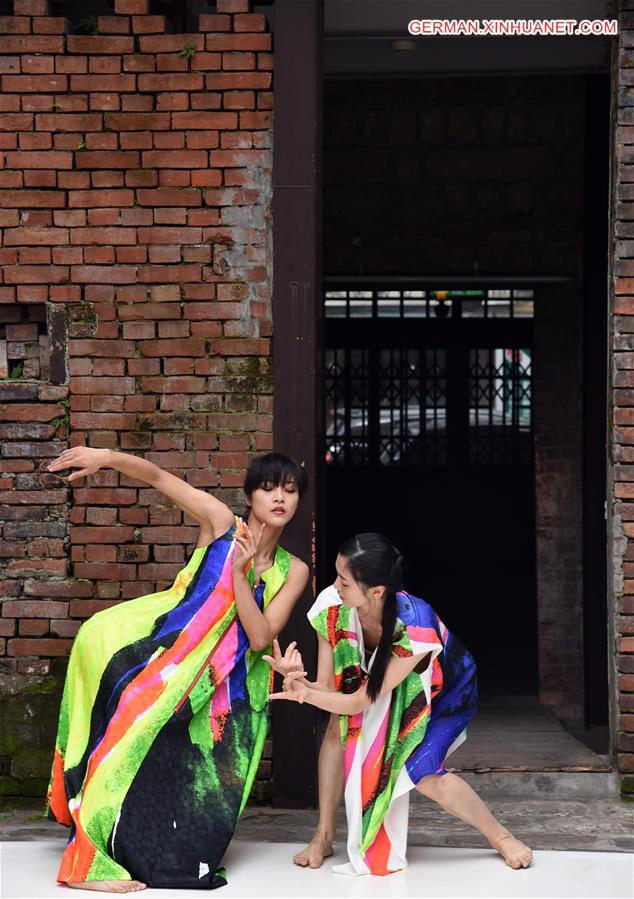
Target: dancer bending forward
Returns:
[[164, 710], [402, 689]]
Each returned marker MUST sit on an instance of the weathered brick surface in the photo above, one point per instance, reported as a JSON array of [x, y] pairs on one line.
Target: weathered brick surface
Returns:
[[134, 200], [558, 485], [622, 406]]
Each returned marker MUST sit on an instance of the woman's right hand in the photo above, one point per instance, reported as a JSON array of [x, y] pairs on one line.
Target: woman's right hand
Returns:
[[290, 661], [88, 459]]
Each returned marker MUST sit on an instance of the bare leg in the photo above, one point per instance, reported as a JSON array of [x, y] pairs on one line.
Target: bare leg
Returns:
[[456, 796], [331, 785], [109, 886]]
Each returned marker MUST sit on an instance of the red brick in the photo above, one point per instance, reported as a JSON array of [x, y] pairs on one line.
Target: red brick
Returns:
[[97, 535], [9, 588], [149, 24], [15, 25], [169, 81], [107, 159], [26, 647], [31, 44], [33, 627], [79, 122], [255, 121], [249, 22], [36, 274], [102, 386], [214, 22], [39, 84], [103, 236], [95, 421], [35, 236], [131, 7], [16, 121], [141, 121], [223, 81], [30, 7], [224, 158], [64, 628], [91, 44], [240, 347], [169, 197], [173, 385], [170, 535], [171, 43], [178, 274], [34, 608], [113, 24], [31, 199], [104, 83], [58, 588], [206, 62], [38, 65], [232, 6], [240, 42], [48, 159], [176, 159], [114, 496], [204, 121], [89, 199], [108, 572]]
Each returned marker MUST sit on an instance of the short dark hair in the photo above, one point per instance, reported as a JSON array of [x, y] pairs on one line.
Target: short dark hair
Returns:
[[276, 469]]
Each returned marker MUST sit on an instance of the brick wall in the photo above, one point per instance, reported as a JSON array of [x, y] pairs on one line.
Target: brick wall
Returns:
[[622, 396], [557, 408], [135, 195]]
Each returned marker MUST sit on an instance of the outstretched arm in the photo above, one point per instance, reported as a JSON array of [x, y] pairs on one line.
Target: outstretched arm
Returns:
[[213, 515], [351, 703]]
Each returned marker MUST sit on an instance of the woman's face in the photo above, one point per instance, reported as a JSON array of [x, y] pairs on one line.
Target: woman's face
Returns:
[[350, 591], [275, 505]]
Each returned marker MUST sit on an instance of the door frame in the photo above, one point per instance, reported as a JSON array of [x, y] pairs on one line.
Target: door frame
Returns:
[[297, 181]]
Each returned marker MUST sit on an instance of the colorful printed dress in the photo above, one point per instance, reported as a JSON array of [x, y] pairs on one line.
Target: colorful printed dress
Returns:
[[150, 794], [403, 736]]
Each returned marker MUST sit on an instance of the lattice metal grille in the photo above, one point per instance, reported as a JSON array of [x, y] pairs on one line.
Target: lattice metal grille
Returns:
[[347, 406], [500, 414], [401, 399], [412, 406]]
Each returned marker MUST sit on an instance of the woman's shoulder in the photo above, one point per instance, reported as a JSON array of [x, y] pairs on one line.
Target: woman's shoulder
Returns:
[[326, 598], [298, 570], [415, 612]]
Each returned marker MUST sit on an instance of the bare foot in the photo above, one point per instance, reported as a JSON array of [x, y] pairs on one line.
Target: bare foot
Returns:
[[109, 886], [312, 856], [515, 853]]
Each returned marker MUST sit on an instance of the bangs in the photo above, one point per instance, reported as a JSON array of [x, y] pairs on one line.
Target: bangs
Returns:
[[275, 469]]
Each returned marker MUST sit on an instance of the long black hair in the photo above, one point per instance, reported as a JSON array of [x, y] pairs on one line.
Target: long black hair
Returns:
[[374, 561], [275, 469]]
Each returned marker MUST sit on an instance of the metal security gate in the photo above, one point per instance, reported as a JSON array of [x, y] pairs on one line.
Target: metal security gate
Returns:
[[428, 438]]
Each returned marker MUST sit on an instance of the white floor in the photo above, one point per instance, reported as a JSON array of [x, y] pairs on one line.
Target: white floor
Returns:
[[263, 870]]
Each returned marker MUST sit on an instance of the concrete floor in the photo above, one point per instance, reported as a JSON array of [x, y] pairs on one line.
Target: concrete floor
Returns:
[[263, 870], [548, 788]]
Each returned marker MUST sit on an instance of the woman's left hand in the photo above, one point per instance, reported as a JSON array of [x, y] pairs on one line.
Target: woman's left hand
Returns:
[[290, 661], [246, 547], [293, 689]]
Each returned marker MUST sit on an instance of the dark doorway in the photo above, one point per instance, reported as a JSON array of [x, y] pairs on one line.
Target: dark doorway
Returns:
[[428, 438], [447, 201]]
